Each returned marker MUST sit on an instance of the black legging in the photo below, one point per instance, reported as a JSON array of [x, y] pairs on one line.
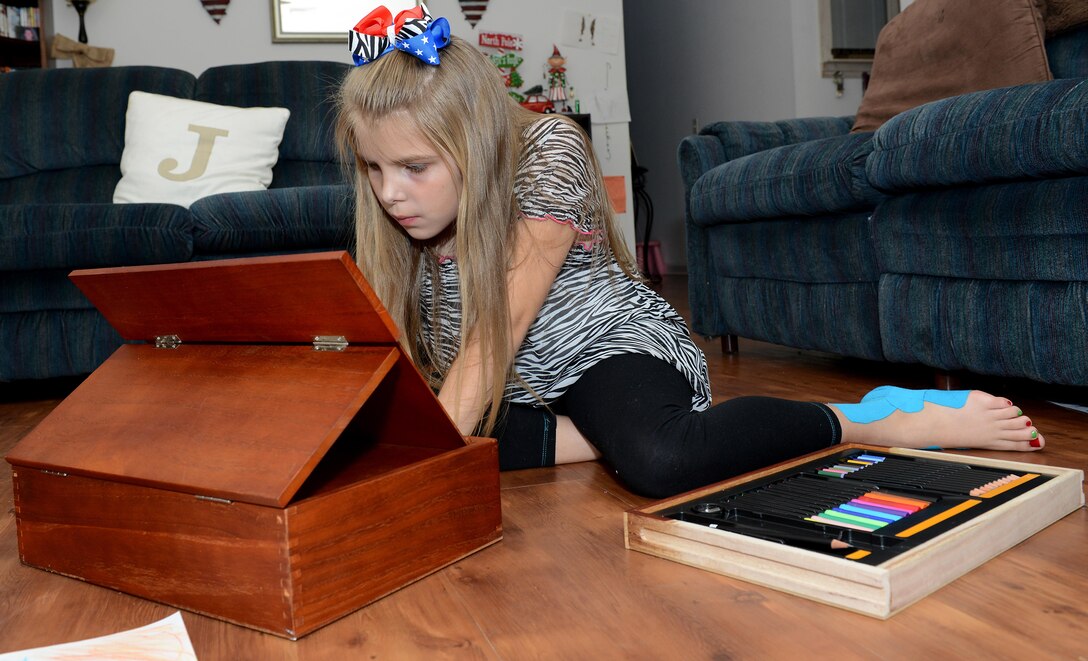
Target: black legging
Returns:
[[636, 410]]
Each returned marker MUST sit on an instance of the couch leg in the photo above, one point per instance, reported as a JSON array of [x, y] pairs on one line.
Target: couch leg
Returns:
[[729, 344], [943, 380]]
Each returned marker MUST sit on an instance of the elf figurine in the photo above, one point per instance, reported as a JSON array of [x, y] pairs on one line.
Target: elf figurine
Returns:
[[557, 80]]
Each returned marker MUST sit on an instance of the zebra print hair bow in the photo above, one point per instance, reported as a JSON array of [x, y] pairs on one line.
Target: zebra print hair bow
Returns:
[[412, 31]]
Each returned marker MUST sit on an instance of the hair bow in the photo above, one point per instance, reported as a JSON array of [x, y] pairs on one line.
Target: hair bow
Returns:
[[412, 31]]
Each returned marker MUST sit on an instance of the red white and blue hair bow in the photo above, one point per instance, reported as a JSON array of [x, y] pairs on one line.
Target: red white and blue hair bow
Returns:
[[412, 31]]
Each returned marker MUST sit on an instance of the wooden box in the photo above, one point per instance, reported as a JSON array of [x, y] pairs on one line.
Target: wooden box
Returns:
[[920, 553], [233, 465]]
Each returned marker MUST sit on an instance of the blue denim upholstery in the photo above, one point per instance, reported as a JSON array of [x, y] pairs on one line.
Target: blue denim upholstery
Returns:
[[1067, 53], [297, 218], [962, 243], [1012, 256], [55, 119], [801, 302], [62, 139], [1030, 131], [803, 179], [304, 88]]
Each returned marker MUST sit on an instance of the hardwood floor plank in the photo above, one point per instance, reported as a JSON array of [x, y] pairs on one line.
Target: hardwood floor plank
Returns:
[[556, 588]]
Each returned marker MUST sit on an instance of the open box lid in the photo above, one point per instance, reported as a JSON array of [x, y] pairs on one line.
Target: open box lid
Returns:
[[249, 412], [282, 299]]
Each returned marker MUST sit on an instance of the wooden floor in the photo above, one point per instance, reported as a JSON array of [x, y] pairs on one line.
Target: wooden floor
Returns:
[[561, 585]]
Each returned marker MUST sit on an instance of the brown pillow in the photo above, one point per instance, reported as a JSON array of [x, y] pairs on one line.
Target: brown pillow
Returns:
[[1062, 15], [935, 49]]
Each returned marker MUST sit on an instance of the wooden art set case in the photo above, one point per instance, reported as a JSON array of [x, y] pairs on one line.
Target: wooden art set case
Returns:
[[864, 528]]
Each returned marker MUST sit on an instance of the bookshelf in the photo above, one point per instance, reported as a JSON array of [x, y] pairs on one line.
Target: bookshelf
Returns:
[[24, 27]]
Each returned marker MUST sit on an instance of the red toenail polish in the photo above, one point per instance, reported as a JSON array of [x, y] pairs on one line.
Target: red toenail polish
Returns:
[[1028, 423], [1008, 402], [1035, 443]]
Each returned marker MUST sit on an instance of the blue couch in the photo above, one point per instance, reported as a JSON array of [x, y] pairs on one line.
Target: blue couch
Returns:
[[60, 149], [954, 236]]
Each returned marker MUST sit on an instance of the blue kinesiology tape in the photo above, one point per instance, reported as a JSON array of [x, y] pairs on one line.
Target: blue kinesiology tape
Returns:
[[881, 402]]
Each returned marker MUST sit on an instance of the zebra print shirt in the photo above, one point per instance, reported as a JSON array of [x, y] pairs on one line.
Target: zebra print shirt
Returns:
[[593, 310]]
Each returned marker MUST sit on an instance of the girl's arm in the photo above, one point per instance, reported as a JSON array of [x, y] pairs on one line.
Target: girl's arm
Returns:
[[540, 248]]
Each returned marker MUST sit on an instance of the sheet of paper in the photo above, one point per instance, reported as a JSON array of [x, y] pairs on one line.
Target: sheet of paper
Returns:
[[165, 640], [605, 107], [589, 31], [617, 192]]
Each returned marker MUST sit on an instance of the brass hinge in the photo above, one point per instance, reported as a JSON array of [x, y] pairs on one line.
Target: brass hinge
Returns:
[[330, 343], [214, 499], [167, 341]]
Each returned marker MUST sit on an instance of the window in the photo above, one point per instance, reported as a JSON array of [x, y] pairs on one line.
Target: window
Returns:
[[322, 20], [848, 32]]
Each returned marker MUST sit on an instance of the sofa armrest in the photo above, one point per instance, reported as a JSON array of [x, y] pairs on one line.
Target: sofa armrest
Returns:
[[697, 155], [719, 142]]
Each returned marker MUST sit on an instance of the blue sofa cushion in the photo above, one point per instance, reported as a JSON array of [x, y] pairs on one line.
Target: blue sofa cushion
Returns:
[[1029, 328], [784, 249], [1035, 130], [805, 179], [41, 291], [54, 343], [307, 173], [291, 85], [88, 127], [47, 236], [839, 318], [1067, 53], [277, 220], [1031, 230], [92, 183]]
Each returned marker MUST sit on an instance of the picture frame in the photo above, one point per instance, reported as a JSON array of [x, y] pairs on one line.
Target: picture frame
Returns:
[[321, 21], [27, 32]]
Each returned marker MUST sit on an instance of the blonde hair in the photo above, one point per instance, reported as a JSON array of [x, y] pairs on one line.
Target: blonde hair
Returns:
[[462, 107]]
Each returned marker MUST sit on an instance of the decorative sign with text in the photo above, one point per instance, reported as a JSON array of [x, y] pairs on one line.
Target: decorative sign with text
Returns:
[[501, 40]]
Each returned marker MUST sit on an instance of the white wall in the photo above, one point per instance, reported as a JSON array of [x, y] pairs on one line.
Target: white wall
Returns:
[[713, 61], [180, 34]]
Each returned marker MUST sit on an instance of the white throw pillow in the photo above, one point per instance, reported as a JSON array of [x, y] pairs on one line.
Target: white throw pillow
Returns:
[[179, 150]]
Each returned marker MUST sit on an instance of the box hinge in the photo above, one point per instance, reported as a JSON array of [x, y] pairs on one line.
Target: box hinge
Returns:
[[330, 343], [214, 499], [167, 341]]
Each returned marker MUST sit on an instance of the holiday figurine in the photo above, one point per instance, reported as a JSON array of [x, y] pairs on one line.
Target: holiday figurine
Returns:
[[557, 80]]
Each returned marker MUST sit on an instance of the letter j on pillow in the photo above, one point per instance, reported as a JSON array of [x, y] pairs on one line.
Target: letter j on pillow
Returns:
[[178, 150]]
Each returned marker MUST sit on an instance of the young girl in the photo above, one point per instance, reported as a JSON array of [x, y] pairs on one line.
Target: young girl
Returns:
[[486, 231]]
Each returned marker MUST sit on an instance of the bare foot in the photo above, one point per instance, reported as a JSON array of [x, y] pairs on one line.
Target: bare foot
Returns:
[[984, 422]]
